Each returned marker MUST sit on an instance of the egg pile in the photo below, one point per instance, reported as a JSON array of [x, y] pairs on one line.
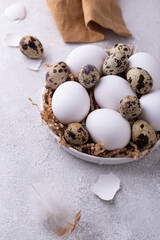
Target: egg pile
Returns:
[[124, 87]]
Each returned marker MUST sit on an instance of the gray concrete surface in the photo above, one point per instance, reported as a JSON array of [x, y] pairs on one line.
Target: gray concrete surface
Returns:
[[29, 154]]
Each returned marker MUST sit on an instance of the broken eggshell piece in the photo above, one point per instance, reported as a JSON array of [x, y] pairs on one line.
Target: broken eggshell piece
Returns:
[[15, 11], [12, 39], [106, 186], [32, 64]]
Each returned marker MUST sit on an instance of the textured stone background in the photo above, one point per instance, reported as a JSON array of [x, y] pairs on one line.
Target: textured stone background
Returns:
[[29, 154]]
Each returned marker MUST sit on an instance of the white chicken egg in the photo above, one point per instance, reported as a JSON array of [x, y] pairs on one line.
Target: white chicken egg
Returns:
[[147, 62], [70, 102], [151, 109], [86, 54], [110, 127], [110, 90]]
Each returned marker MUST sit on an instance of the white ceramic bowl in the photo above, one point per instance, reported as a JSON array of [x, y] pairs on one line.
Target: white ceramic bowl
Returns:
[[94, 159]]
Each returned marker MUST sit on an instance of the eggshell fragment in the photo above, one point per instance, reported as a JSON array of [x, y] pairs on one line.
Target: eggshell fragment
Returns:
[[12, 39], [86, 54], [32, 64], [151, 109], [147, 62], [110, 127], [15, 11], [70, 102], [106, 186], [110, 90]]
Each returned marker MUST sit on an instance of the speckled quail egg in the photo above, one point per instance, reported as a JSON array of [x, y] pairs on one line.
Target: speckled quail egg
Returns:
[[121, 47], [31, 47], [115, 63], [88, 76], [56, 75], [129, 107], [76, 134], [143, 135], [140, 80]]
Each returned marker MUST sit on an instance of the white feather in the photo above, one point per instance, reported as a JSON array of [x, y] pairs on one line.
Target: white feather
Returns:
[[52, 212]]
